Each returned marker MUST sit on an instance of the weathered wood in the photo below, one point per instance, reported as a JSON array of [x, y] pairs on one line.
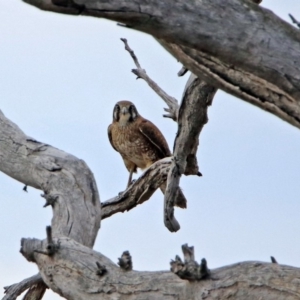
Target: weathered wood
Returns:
[[192, 117], [35, 292], [125, 261], [77, 210], [139, 191], [72, 273], [176, 195], [68, 184], [247, 58], [141, 73], [34, 283], [256, 55]]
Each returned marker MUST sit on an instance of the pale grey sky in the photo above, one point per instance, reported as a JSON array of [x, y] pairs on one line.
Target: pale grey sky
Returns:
[[60, 77]]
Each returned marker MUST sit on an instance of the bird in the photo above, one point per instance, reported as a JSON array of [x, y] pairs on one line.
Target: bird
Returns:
[[139, 142]]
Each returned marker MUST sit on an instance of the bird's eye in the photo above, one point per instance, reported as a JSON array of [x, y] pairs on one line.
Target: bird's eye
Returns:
[[133, 112], [116, 113]]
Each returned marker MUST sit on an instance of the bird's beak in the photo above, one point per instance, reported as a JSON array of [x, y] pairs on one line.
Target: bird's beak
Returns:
[[124, 110]]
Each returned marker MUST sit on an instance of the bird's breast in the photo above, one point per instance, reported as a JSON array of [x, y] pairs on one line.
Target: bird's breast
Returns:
[[133, 146]]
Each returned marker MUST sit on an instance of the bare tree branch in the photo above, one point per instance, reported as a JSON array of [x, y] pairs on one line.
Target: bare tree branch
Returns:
[[141, 73], [13, 291], [197, 96], [76, 211], [63, 177], [140, 191], [73, 273], [191, 119], [248, 58], [271, 82], [36, 292]]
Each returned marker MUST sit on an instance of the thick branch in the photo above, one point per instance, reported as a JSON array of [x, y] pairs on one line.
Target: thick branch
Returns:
[[140, 191], [76, 210], [68, 184], [190, 269], [237, 46], [73, 273], [192, 117], [32, 283]]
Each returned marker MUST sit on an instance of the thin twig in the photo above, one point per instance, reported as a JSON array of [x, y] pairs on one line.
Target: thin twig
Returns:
[[294, 20], [141, 73]]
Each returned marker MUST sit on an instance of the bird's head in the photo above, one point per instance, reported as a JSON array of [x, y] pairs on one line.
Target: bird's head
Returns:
[[125, 112]]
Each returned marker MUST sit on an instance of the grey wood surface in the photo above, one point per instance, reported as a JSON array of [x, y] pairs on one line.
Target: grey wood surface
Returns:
[[235, 45]]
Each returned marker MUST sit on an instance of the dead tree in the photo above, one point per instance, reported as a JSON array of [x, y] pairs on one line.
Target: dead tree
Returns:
[[257, 69]]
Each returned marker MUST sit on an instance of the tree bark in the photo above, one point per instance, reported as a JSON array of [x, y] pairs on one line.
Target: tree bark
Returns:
[[247, 58], [256, 55], [68, 184], [73, 270], [35, 285], [191, 117], [72, 273]]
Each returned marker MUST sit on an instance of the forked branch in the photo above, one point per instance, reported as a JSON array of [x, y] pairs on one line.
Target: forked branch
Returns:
[[191, 117], [139, 191], [80, 273], [33, 284], [141, 73]]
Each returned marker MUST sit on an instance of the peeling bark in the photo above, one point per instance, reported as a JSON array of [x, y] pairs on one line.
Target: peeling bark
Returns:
[[141, 73], [192, 116], [68, 185]]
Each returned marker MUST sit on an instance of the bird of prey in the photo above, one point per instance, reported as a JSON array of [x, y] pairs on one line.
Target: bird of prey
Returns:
[[139, 142]]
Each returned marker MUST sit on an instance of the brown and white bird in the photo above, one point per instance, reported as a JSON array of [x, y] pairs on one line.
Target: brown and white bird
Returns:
[[139, 142]]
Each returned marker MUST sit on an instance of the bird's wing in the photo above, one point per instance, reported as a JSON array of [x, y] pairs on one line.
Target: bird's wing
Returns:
[[110, 136], [153, 134]]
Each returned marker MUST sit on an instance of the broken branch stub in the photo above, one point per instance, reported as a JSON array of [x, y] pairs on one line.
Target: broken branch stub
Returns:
[[190, 269]]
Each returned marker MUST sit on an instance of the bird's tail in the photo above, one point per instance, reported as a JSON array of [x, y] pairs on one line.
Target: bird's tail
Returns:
[[180, 199]]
